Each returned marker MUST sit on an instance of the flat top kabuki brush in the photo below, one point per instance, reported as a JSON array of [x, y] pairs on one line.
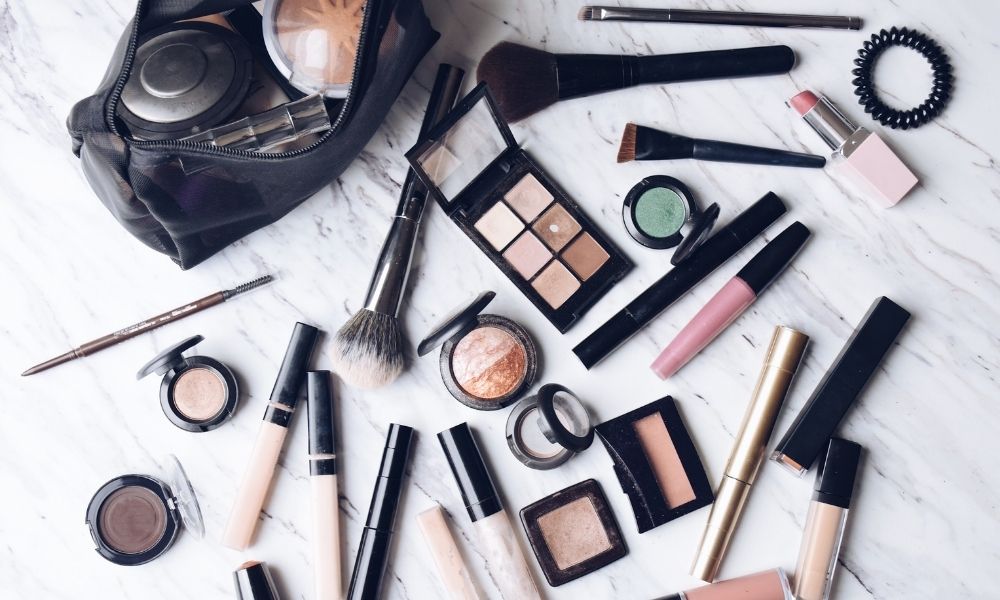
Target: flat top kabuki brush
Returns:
[[526, 80]]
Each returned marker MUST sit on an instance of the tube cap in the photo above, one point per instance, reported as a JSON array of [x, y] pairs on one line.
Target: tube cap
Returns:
[[389, 484], [322, 429], [293, 367], [837, 472], [254, 582], [774, 257], [470, 471]]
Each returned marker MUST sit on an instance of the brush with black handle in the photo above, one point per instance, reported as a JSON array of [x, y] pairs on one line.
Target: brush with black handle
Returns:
[[369, 350], [646, 143], [525, 80]]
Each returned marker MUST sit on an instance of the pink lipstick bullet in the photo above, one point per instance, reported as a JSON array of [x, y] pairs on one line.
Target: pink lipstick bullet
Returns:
[[729, 303], [859, 153]]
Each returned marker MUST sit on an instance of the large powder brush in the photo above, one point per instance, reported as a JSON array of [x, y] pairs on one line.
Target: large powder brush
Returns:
[[526, 80]]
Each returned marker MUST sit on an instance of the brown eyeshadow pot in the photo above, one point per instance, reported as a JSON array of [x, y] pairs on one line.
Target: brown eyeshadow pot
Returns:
[[487, 361], [136, 518], [198, 393], [573, 532]]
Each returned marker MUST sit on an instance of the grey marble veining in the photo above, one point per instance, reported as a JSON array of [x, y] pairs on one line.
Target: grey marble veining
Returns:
[[924, 523]]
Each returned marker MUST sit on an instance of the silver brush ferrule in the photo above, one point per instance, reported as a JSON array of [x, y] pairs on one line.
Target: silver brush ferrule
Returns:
[[388, 283]]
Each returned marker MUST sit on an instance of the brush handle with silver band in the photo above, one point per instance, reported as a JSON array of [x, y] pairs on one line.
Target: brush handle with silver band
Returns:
[[720, 17], [388, 282]]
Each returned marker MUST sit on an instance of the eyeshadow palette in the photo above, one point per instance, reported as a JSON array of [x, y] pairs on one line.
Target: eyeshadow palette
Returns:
[[573, 532], [656, 463], [515, 213]]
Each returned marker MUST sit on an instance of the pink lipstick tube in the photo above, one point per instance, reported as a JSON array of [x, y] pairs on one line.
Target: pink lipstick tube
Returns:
[[858, 153], [729, 303]]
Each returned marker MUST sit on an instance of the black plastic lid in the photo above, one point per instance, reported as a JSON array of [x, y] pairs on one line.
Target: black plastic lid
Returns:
[[470, 471], [701, 227], [253, 582], [292, 373], [553, 427], [166, 360], [837, 472], [322, 431], [774, 257], [389, 484], [458, 321]]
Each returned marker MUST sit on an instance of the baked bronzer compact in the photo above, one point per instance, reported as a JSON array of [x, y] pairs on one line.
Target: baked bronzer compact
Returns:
[[515, 213]]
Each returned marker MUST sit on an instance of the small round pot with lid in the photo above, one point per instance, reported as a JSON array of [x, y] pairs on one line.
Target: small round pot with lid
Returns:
[[658, 209], [547, 429], [198, 393], [134, 519], [487, 361]]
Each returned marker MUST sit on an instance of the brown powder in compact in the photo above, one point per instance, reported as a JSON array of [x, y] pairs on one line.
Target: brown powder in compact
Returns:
[[663, 458], [320, 37], [574, 532], [199, 394], [488, 363], [132, 519]]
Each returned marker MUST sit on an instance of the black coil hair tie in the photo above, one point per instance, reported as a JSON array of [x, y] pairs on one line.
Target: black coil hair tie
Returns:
[[864, 88]]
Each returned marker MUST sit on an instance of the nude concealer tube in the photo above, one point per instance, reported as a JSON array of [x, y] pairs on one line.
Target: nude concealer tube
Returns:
[[323, 485], [827, 519], [264, 455], [782, 360], [497, 540], [451, 568]]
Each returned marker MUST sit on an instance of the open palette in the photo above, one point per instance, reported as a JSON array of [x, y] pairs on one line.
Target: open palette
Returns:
[[515, 213]]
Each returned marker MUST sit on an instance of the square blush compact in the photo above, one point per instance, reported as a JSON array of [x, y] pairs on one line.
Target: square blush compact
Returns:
[[198, 393], [134, 519], [515, 213], [487, 361], [573, 532]]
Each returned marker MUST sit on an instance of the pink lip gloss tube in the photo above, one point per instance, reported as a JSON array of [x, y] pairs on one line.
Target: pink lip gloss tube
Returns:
[[859, 153], [729, 303]]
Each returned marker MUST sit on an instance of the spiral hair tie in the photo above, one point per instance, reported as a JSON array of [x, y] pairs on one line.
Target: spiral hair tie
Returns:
[[865, 89]]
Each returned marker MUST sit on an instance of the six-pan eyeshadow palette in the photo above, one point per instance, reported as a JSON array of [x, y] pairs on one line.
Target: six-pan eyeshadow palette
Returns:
[[515, 213]]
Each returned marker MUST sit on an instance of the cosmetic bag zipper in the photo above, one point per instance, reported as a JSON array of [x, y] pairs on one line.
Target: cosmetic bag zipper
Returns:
[[371, 9]]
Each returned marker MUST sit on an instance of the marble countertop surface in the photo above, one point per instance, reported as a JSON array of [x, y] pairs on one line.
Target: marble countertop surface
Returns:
[[925, 519]]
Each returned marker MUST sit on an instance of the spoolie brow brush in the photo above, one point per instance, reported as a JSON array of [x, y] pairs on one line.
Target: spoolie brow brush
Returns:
[[149, 324]]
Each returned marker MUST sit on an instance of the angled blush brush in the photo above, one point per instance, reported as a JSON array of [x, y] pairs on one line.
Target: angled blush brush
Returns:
[[526, 80], [646, 143]]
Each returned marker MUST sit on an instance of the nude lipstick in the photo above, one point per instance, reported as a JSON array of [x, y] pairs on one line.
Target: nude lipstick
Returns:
[[859, 153], [735, 297]]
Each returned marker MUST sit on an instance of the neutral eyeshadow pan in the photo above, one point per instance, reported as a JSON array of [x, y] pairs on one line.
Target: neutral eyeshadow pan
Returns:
[[556, 227], [529, 197], [574, 532], [132, 519], [199, 394], [662, 455], [499, 226], [585, 256], [556, 284], [527, 255], [488, 363]]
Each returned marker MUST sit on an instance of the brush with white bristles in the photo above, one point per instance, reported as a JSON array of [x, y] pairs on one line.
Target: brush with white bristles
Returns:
[[369, 350]]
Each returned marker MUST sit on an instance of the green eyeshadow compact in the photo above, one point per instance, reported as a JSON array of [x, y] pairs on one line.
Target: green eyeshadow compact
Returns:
[[660, 212]]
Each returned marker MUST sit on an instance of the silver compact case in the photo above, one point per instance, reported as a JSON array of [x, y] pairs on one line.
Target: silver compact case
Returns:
[[545, 430]]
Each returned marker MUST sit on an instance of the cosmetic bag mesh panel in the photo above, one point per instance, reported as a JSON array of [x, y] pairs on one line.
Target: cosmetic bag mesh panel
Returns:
[[191, 215]]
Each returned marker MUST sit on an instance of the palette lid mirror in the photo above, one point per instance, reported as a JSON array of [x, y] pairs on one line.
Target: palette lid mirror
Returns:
[[464, 146], [458, 321], [184, 498], [164, 361], [701, 227]]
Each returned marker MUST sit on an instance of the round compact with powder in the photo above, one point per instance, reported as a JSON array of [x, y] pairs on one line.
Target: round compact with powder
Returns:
[[198, 393], [136, 518], [547, 429], [314, 43], [487, 361], [660, 212]]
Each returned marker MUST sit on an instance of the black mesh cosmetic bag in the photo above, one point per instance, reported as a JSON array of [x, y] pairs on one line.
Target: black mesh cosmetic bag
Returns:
[[189, 200]]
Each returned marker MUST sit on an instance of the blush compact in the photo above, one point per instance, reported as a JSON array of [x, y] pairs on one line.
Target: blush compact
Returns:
[[487, 361], [134, 519], [198, 393], [548, 428]]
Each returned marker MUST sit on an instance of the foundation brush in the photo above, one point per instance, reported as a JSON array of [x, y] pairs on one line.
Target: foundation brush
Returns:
[[646, 143], [526, 80], [369, 350]]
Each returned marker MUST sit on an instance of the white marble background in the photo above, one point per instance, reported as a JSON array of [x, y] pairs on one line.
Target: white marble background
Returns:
[[925, 521]]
